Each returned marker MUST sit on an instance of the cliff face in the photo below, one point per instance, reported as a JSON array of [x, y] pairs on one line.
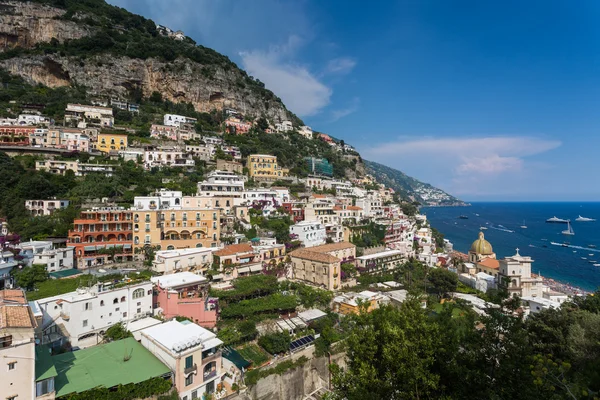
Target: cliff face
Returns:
[[207, 87], [25, 24]]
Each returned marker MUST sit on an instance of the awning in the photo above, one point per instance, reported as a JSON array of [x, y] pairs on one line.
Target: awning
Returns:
[[217, 276], [110, 246], [236, 358], [126, 246], [256, 268]]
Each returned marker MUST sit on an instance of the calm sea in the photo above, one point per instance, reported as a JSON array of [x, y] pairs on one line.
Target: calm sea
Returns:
[[572, 264]]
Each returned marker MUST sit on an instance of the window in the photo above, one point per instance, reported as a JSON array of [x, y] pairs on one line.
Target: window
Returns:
[[101, 303], [189, 362], [139, 303], [116, 301], [195, 394], [139, 310], [88, 306], [44, 387], [124, 315], [122, 299], [85, 323], [5, 341], [189, 380], [12, 365], [138, 293]]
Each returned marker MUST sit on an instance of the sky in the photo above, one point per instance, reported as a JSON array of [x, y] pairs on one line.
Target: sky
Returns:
[[489, 101]]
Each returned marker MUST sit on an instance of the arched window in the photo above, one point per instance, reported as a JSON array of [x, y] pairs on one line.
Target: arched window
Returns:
[[116, 301], [101, 302], [170, 247], [122, 299], [137, 293]]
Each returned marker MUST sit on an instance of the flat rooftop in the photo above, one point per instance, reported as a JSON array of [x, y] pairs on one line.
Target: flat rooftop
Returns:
[[177, 280], [106, 365], [177, 336], [386, 253]]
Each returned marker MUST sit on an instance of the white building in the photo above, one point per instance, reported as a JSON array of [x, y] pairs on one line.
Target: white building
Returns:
[[170, 261], [32, 119], [310, 233], [162, 200], [306, 131], [177, 120], [515, 271], [371, 205], [191, 352], [42, 252], [83, 113], [221, 183], [167, 158], [284, 126], [81, 317], [45, 207]]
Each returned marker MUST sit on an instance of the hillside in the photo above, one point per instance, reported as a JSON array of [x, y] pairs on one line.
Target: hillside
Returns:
[[53, 52], [409, 187]]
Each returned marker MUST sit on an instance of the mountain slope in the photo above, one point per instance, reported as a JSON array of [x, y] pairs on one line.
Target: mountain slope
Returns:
[[408, 187], [115, 53]]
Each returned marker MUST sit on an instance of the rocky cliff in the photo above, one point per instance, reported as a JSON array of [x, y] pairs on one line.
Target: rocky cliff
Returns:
[[38, 42]]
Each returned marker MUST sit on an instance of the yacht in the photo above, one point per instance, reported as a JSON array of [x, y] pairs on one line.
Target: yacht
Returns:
[[569, 230], [483, 228], [584, 219], [463, 217], [556, 219], [596, 265]]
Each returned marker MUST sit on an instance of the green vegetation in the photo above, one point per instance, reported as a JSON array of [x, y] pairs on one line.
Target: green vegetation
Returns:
[[238, 332], [248, 288], [275, 343], [406, 353], [274, 303], [116, 332], [253, 376], [442, 280], [142, 390], [28, 277], [254, 354]]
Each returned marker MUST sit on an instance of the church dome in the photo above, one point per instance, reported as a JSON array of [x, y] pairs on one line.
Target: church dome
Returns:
[[481, 246]]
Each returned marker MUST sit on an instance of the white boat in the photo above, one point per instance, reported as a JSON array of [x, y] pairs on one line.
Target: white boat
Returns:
[[558, 220], [583, 258], [596, 265], [477, 215], [591, 254], [584, 219], [569, 230], [523, 226], [483, 228]]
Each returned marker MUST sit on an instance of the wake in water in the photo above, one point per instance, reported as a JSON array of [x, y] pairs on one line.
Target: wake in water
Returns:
[[501, 228], [574, 247]]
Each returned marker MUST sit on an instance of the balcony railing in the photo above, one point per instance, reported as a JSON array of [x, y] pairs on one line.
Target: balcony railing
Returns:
[[210, 375], [191, 369]]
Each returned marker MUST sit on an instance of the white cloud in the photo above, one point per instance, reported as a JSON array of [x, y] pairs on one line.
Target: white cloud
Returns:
[[341, 65], [465, 166], [300, 90], [341, 113]]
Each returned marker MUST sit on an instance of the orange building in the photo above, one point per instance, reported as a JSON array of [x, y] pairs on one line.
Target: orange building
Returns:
[[97, 231], [16, 135]]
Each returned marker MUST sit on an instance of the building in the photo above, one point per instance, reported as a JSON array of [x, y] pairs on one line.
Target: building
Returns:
[[204, 152], [230, 166], [125, 105], [310, 233], [43, 253], [85, 114], [32, 119], [350, 303], [170, 261], [177, 228], [237, 260], [185, 294], [306, 131], [74, 140], [118, 363], [57, 167], [237, 126], [382, 261], [17, 346], [221, 183], [81, 317], [318, 166], [515, 274], [315, 268], [15, 135], [111, 142], [480, 250], [178, 120], [167, 158], [264, 167], [191, 352], [164, 131], [285, 126], [102, 234], [45, 207]]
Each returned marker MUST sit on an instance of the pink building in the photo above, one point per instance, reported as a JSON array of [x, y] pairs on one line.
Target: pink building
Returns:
[[185, 294], [76, 140], [164, 131]]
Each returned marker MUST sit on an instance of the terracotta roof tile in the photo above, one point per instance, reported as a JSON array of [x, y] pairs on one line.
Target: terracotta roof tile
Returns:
[[355, 208], [307, 254], [234, 249], [490, 263], [13, 296], [326, 248], [16, 316]]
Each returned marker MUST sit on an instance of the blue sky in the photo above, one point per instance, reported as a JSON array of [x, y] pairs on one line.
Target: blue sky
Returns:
[[486, 100]]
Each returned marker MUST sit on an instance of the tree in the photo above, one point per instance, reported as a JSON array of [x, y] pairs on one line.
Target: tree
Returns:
[[275, 343], [27, 277], [442, 280], [390, 354], [116, 332]]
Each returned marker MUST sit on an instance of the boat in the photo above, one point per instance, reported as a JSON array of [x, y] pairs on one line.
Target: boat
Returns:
[[592, 246], [583, 258], [557, 220], [483, 228], [569, 230], [523, 226], [574, 251], [463, 217], [591, 254], [477, 215], [596, 265], [584, 219]]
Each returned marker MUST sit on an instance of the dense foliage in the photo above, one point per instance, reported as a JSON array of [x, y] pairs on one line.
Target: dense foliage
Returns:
[[275, 343], [274, 303], [142, 390], [409, 353], [117, 332]]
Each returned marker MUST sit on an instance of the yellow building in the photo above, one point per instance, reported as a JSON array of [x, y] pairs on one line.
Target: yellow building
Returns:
[[176, 229], [264, 167], [111, 142], [351, 303]]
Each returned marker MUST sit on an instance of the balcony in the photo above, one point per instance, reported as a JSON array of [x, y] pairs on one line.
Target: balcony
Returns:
[[65, 316], [191, 369]]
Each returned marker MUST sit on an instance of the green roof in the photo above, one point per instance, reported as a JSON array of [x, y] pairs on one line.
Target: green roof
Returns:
[[44, 365], [235, 357], [105, 365], [65, 273]]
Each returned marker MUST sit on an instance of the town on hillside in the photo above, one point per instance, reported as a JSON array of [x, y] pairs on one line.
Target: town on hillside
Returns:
[[205, 291]]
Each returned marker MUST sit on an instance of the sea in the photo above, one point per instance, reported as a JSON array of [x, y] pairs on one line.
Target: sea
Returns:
[[570, 260]]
